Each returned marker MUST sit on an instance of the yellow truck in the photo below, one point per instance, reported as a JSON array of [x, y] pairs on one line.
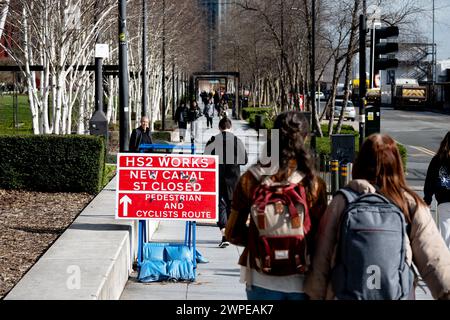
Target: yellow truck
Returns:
[[409, 96], [355, 90], [373, 97]]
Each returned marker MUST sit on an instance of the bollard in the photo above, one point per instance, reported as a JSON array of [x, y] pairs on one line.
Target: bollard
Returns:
[[334, 176], [343, 176], [350, 172], [322, 167]]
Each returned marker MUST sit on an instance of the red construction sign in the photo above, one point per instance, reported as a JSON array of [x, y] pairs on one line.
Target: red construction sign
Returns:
[[167, 187]]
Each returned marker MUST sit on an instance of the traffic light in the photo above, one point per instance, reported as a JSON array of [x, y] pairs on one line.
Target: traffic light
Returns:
[[385, 48]]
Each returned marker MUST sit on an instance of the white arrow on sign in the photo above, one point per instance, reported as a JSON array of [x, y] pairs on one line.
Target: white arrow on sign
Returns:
[[126, 201]]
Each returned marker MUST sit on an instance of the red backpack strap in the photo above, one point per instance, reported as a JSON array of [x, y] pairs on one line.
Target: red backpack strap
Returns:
[[298, 192]]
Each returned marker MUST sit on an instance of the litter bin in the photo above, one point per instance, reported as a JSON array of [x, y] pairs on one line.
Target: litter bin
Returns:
[[373, 119], [343, 148]]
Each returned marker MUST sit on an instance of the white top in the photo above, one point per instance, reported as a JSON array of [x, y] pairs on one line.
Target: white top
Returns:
[[287, 284]]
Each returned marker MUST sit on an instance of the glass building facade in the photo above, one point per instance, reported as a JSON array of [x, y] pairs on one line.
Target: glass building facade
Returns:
[[214, 12]]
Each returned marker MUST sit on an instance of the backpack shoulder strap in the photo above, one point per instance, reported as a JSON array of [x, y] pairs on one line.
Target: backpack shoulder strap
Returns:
[[349, 194], [259, 173]]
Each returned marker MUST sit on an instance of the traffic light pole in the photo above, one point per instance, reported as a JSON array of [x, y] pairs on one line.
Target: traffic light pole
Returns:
[[362, 78]]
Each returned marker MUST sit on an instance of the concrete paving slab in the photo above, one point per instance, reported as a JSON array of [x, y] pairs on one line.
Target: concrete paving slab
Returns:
[[52, 279], [154, 291], [216, 280], [94, 255]]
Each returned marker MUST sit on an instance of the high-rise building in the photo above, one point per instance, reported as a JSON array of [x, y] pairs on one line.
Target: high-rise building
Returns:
[[215, 14]]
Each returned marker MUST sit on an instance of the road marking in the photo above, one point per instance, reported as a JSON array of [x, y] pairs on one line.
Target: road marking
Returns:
[[421, 149], [424, 150], [415, 155]]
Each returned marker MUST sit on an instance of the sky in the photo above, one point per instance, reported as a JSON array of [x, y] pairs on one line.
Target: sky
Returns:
[[442, 27]]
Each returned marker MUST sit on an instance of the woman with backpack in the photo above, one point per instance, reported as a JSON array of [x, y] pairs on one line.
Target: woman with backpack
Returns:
[[283, 202], [437, 183], [366, 245]]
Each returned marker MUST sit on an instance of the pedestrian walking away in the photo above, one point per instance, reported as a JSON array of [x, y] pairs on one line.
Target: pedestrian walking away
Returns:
[[194, 114], [223, 109], [140, 135], [232, 155], [208, 111], [181, 118], [204, 98], [437, 183], [284, 204], [373, 219], [216, 98]]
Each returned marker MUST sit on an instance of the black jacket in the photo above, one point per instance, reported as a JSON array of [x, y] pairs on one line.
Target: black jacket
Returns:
[[229, 173], [194, 114], [437, 182], [181, 111], [136, 138]]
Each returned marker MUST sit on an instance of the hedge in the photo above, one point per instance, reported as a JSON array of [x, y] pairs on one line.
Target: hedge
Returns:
[[324, 144], [52, 163], [248, 112]]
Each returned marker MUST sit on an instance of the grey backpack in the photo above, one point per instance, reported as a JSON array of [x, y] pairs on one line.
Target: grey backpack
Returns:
[[371, 258]]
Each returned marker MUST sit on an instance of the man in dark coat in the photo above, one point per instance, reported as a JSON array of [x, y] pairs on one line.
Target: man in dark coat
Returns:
[[232, 155], [181, 118], [141, 135]]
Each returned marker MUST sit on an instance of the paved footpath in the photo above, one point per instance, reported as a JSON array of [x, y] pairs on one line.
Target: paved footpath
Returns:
[[216, 280]]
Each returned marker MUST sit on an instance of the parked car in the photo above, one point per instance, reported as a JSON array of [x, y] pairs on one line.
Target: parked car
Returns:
[[320, 95], [349, 112]]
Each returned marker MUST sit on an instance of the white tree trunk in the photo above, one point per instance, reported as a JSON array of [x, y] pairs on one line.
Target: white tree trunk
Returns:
[[3, 15], [27, 50], [81, 110]]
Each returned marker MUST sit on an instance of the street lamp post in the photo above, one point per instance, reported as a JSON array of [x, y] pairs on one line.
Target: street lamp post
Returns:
[[98, 68], [362, 75], [144, 58], [313, 76], [163, 84], [123, 79], [434, 69], [283, 94]]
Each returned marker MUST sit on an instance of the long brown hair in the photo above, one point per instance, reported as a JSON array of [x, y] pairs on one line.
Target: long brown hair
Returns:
[[293, 130], [444, 150], [380, 163]]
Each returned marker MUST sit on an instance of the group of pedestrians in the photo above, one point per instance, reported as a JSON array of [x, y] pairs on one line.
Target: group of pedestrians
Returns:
[[372, 241], [298, 246], [188, 115], [185, 115], [215, 101]]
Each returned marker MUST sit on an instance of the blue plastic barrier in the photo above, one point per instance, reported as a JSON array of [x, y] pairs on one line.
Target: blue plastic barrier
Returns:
[[168, 261]]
